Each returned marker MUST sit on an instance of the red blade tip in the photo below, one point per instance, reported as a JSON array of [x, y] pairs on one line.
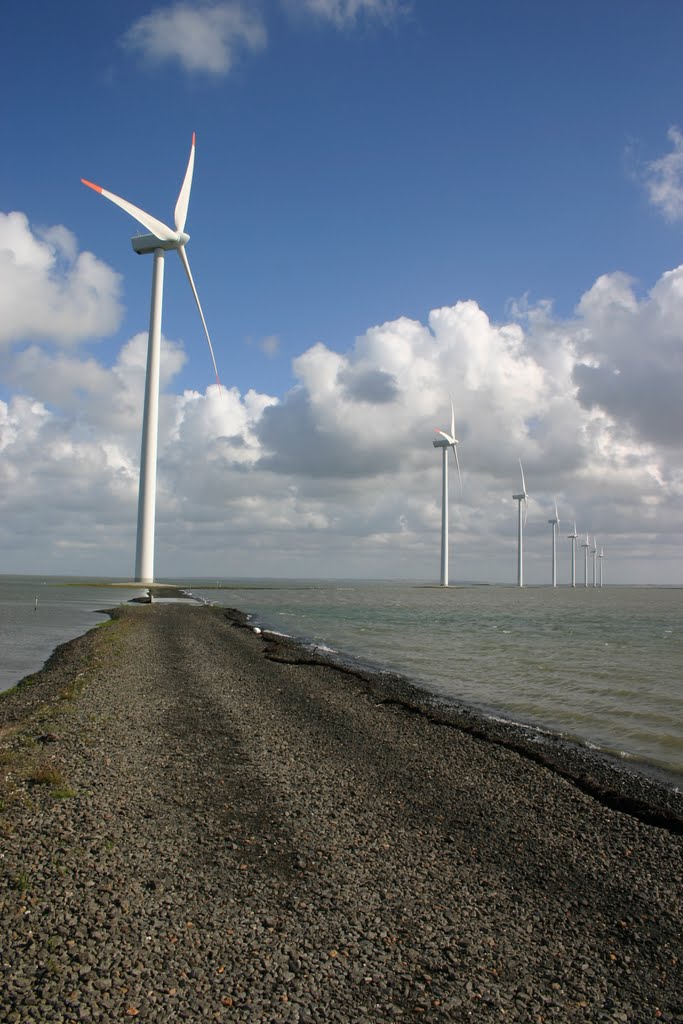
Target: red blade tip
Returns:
[[90, 185]]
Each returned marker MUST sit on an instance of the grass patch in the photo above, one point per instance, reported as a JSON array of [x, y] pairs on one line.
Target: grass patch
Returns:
[[63, 792], [21, 882], [50, 775], [46, 775]]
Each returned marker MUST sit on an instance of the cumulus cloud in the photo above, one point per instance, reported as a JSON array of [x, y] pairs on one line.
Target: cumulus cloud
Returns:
[[339, 476], [633, 368], [664, 178], [205, 38], [51, 291]]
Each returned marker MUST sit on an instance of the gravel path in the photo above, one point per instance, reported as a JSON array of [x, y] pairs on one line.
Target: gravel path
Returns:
[[198, 826]]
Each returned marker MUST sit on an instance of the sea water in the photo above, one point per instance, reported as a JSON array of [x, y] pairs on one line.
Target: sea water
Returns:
[[602, 666], [37, 613]]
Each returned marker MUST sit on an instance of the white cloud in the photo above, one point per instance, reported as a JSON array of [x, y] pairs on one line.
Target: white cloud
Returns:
[[634, 365], [202, 38], [339, 476], [270, 345], [664, 178], [48, 290], [344, 13]]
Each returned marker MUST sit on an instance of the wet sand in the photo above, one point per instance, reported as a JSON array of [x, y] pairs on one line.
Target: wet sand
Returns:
[[199, 823]]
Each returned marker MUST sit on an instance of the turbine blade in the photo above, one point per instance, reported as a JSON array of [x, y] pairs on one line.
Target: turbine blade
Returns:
[[526, 507], [183, 257], [451, 440], [556, 515], [457, 463], [184, 194], [521, 469], [157, 228]]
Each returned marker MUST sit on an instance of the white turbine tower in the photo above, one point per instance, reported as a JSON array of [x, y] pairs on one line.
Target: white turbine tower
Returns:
[[572, 537], [519, 498], [554, 523], [161, 239], [594, 551], [586, 544], [601, 557], [446, 441]]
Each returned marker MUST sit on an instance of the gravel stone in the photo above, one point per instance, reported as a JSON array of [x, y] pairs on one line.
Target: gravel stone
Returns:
[[246, 832]]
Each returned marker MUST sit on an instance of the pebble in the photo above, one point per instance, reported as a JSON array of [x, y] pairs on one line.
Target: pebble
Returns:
[[255, 838]]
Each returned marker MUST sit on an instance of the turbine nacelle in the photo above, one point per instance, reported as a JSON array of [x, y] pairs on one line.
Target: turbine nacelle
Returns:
[[146, 244]]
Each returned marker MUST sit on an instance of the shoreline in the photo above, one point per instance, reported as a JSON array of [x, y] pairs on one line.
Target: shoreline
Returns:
[[645, 791], [202, 823], [648, 794], [552, 741]]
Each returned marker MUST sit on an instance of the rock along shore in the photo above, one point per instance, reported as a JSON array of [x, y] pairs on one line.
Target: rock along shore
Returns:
[[200, 824]]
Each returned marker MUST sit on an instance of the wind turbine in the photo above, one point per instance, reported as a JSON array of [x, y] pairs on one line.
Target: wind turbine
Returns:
[[446, 441], [601, 556], [586, 544], [161, 239], [555, 523], [572, 537], [594, 551], [519, 498]]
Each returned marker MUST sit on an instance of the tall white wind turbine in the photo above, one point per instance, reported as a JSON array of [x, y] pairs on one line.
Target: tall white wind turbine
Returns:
[[601, 557], [519, 498], [554, 523], [446, 441], [594, 551], [585, 545], [161, 239], [572, 537]]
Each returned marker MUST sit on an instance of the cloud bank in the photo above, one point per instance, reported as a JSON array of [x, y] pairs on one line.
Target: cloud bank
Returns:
[[51, 291], [338, 477]]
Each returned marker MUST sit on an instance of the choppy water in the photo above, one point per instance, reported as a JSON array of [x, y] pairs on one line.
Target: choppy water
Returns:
[[601, 665]]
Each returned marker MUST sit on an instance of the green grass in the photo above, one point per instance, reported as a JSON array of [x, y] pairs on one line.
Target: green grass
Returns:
[[50, 775]]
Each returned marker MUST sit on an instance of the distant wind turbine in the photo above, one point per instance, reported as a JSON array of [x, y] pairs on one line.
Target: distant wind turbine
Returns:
[[601, 557], [446, 441], [554, 523], [572, 537], [161, 239], [519, 498], [586, 544], [594, 551]]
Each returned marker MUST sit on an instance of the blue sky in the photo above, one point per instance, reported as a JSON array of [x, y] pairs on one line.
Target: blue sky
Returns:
[[359, 163]]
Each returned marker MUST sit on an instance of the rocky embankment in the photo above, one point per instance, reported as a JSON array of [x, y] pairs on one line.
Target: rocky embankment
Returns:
[[197, 825]]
